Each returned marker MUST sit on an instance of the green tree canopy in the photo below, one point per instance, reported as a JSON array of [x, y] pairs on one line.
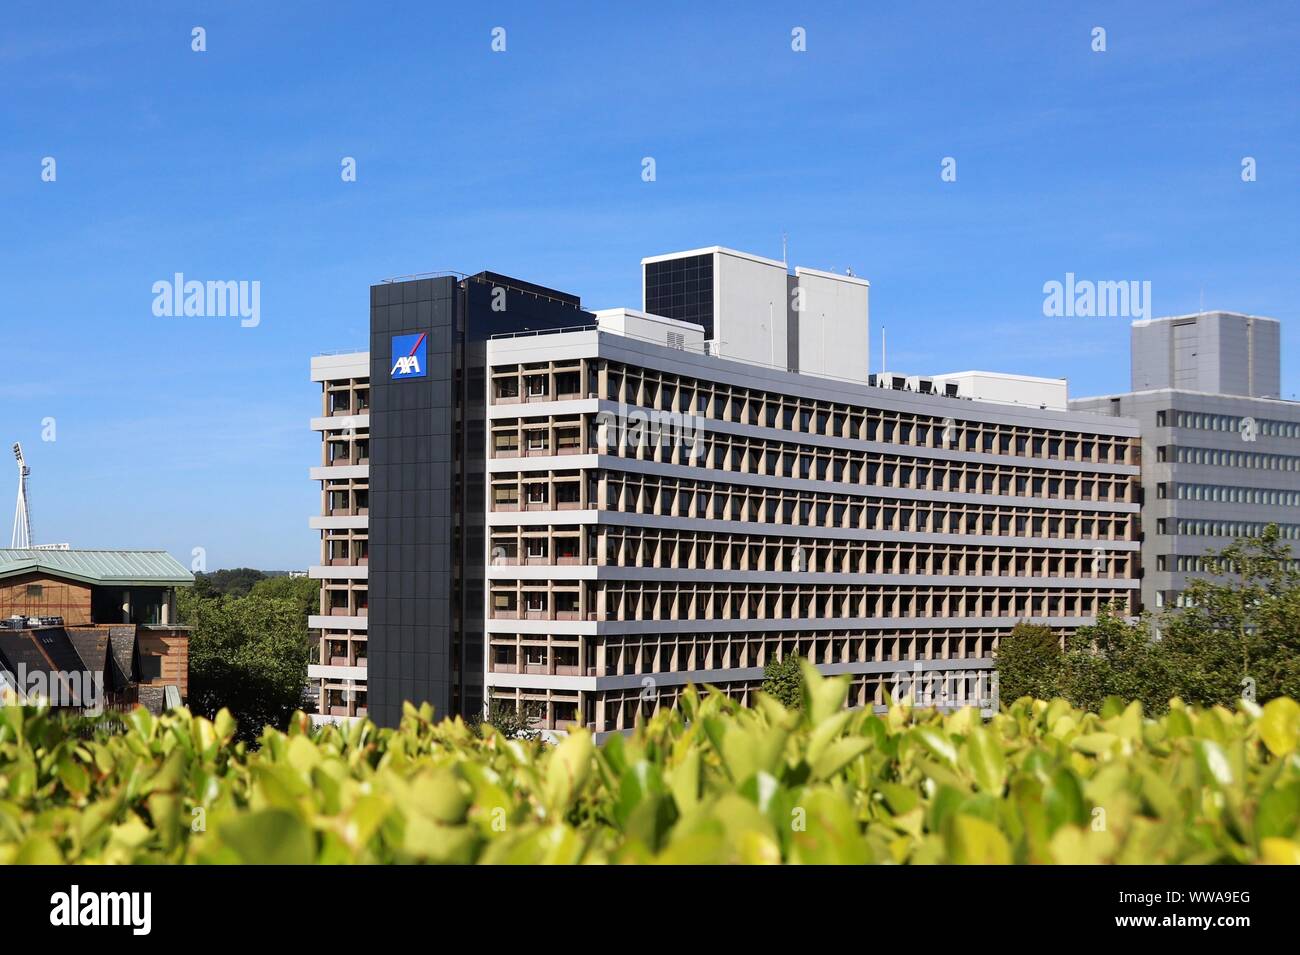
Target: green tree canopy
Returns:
[[783, 681], [303, 591], [1238, 635], [247, 654], [1028, 663], [1240, 632], [236, 582]]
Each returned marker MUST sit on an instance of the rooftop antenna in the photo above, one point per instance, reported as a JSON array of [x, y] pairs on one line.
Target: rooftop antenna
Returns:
[[784, 261], [883, 366], [22, 535]]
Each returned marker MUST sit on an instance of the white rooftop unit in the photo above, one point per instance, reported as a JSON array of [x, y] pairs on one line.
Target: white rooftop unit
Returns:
[[753, 309], [1051, 393], [652, 328]]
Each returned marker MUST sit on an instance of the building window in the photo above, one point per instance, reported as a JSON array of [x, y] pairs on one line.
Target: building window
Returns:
[[35, 590]]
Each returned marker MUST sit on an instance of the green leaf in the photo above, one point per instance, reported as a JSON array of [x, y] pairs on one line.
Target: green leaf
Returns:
[[838, 755], [984, 760], [269, 837], [1279, 727], [567, 771], [973, 841]]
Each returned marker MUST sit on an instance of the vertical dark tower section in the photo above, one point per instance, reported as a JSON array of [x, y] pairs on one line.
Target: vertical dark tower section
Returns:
[[412, 430], [428, 473]]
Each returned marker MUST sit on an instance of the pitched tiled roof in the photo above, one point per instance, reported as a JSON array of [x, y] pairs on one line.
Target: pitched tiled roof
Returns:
[[122, 646], [17, 649], [48, 651], [91, 646], [125, 567]]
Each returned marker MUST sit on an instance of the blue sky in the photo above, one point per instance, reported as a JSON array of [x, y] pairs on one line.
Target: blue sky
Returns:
[[225, 165]]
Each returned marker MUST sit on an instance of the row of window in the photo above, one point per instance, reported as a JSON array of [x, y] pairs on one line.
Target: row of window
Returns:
[[675, 653], [344, 598], [1228, 459], [1246, 424], [648, 547], [639, 494], [345, 397], [1188, 564], [342, 500], [1199, 528], [346, 451], [802, 462], [630, 600], [662, 391], [635, 600], [539, 381], [1229, 494], [341, 547]]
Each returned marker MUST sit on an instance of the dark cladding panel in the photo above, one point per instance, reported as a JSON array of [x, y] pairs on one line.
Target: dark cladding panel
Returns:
[[411, 421], [428, 480], [681, 288]]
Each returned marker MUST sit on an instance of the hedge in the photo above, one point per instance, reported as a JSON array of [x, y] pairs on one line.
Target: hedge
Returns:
[[707, 782]]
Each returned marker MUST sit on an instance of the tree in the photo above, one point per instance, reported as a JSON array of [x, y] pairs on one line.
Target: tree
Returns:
[[1114, 657], [783, 681], [235, 582], [514, 722], [1240, 631], [303, 591], [1029, 663], [247, 654], [1238, 635]]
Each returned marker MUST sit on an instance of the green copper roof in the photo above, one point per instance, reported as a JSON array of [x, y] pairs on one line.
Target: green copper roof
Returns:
[[141, 568]]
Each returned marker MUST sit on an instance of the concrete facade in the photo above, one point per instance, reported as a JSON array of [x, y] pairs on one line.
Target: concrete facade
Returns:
[[1214, 468], [688, 518], [1223, 353], [580, 514], [1220, 450], [339, 669]]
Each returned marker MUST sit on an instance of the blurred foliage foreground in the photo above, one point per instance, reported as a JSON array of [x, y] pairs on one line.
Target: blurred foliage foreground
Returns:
[[708, 782]]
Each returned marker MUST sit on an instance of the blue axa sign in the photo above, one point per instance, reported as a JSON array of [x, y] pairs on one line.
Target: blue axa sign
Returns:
[[410, 353]]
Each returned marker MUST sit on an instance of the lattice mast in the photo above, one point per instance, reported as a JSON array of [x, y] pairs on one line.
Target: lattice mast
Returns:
[[22, 535]]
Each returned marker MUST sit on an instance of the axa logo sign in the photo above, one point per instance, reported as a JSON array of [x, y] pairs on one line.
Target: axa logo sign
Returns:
[[410, 356]]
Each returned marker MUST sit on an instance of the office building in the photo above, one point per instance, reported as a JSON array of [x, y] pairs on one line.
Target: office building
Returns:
[[337, 670], [586, 512], [1220, 448], [403, 482]]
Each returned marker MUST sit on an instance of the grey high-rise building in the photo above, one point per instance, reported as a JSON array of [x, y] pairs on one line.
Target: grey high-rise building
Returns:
[[403, 477], [1218, 353], [580, 514], [1220, 448]]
